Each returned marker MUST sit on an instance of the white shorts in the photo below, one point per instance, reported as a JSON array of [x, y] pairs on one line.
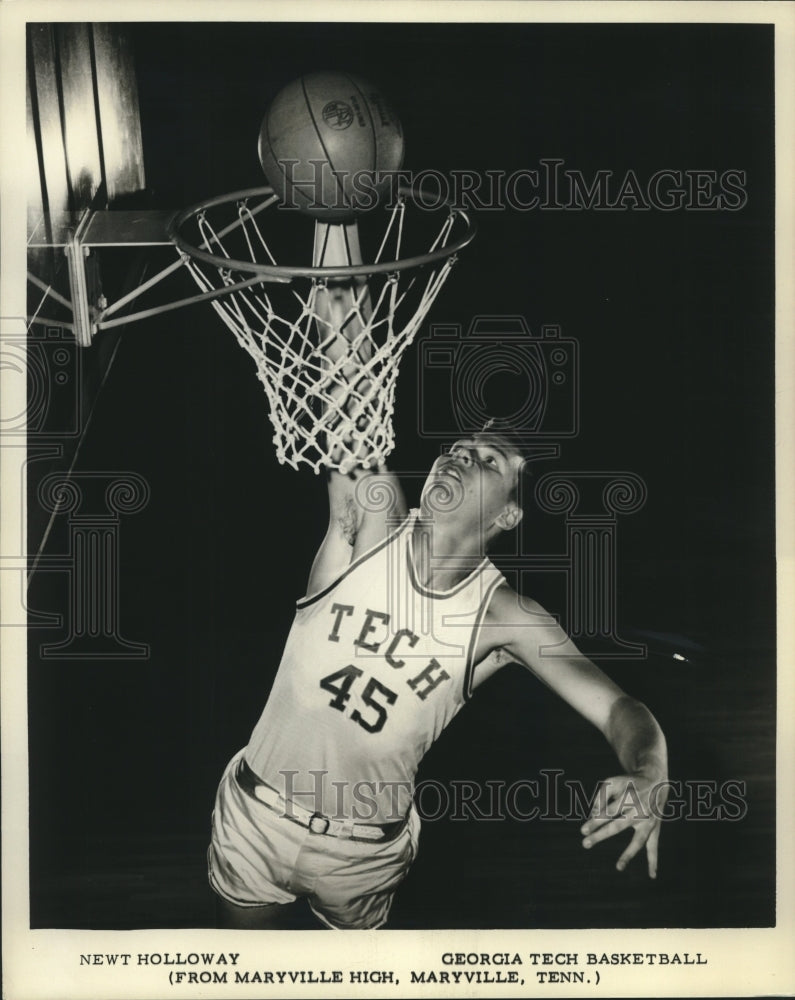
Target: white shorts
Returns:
[[257, 857]]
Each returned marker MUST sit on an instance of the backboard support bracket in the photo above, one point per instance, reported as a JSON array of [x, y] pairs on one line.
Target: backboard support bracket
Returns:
[[76, 254], [83, 242]]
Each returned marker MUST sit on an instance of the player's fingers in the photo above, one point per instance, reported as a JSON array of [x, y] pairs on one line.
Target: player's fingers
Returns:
[[605, 806], [609, 829], [638, 840], [651, 851]]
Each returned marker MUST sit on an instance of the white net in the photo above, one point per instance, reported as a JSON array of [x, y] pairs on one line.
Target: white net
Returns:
[[326, 349]]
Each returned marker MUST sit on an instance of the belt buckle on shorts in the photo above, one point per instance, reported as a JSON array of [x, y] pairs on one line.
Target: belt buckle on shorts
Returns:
[[316, 818]]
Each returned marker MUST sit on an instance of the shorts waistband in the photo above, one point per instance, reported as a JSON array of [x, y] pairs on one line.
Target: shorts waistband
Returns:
[[315, 822]]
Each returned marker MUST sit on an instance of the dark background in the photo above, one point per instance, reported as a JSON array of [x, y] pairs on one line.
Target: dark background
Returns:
[[673, 313]]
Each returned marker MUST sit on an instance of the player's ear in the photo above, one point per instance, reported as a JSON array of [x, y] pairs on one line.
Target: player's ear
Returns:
[[509, 518]]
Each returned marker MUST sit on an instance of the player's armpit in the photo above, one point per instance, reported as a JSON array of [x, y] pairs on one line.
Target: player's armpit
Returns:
[[345, 515], [364, 507]]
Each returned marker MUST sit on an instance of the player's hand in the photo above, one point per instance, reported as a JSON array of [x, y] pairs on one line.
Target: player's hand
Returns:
[[624, 802]]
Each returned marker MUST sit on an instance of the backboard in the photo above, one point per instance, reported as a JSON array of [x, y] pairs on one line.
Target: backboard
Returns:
[[84, 152]]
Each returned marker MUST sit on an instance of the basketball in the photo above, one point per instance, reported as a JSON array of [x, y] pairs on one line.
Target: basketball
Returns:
[[325, 143]]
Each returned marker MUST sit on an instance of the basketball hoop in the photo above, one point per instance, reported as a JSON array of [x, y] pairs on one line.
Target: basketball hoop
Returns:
[[322, 416]]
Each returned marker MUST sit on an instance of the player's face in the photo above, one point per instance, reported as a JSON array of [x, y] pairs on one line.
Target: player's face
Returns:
[[477, 478]]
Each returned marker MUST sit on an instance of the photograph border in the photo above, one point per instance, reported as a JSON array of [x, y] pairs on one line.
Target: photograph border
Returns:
[[45, 963]]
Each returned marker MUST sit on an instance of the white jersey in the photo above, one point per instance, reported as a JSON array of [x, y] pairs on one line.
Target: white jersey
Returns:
[[374, 668]]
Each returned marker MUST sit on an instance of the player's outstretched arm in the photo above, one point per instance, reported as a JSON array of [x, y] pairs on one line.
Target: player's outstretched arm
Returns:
[[364, 506], [364, 503], [633, 799]]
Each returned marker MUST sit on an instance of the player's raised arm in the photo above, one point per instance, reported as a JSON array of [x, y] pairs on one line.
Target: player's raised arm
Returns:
[[364, 505], [634, 798], [364, 501]]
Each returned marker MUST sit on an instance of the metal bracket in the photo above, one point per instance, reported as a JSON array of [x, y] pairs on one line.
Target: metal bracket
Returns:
[[98, 230], [76, 254]]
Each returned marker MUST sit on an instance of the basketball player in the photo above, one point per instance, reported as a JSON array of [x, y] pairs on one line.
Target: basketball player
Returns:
[[404, 618]]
